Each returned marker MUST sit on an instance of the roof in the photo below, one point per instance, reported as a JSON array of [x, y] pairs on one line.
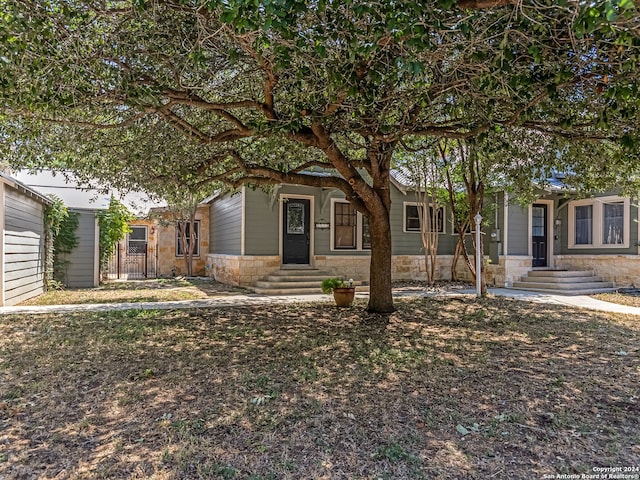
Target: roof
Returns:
[[25, 188], [74, 195]]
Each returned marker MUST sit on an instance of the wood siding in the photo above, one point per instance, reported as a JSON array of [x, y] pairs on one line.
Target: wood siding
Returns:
[[23, 247], [225, 227], [518, 230], [81, 269], [262, 221]]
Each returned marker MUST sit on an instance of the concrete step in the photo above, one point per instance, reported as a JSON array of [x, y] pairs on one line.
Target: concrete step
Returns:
[[562, 287], [293, 284], [541, 279], [293, 281], [298, 291], [306, 272], [295, 278], [271, 283], [559, 273], [580, 291]]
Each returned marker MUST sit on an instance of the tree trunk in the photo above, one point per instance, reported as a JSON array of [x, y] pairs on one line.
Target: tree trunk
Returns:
[[182, 225], [193, 238], [380, 298]]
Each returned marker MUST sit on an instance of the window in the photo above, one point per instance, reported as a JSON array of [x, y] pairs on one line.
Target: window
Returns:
[[584, 224], [345, 222], [613, 222], [196, 247], [599, 223], [137, 240], [412, 217], [350, 229], [295, 218]]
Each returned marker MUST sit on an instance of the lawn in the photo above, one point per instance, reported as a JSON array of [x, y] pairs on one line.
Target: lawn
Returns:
[[445, 389], [153, 290], [621, 298]]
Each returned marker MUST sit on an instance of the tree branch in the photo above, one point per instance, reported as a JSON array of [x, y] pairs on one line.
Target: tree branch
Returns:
[[481, 4]]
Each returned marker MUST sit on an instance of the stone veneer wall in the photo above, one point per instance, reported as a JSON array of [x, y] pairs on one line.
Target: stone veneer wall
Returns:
[[403, 267], [240, 270], [168, 262], [246, 270], [622, 270], [513, 268]]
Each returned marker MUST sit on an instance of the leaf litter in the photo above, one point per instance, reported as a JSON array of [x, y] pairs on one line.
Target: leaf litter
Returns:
[[441, 388]]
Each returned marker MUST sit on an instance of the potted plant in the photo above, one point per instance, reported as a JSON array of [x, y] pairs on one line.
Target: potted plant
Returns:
[[343, 291]]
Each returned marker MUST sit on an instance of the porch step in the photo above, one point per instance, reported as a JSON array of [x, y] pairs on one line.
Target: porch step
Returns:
[[563, 282], [296, 282], [299, 291]]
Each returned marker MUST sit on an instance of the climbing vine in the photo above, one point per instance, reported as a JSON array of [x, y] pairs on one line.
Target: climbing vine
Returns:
[[60, 240], [114, 225]]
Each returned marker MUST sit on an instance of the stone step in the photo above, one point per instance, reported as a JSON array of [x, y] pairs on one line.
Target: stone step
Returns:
[[559, 273], [292, 281], [579, 291], [540, 279], [293, 284], [295, 278], [305, 272], [562, 287], [298, 291]]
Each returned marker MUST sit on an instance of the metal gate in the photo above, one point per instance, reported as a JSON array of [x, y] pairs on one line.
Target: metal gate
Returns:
[[128, 262]]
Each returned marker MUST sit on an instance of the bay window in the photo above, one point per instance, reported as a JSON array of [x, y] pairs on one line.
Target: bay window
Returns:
[[599, 223]]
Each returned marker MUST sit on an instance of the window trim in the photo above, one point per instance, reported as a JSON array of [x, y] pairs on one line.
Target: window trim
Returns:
[[146, 237], [179, 255], [598, 223], [404, 218], [359, 231]]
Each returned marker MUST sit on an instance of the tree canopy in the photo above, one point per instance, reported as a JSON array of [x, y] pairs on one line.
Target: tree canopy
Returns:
[[260, 92]]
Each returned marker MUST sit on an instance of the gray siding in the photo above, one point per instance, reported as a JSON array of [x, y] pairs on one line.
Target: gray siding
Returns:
[[263, 217], [518, 230], [23, 247], [81, 269], [410, 243], [261, 223], [225, 224]]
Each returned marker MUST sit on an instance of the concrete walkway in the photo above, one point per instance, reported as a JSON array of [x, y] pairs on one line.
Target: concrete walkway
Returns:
[[581, 301]]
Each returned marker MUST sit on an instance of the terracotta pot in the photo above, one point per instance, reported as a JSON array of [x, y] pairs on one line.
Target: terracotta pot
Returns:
[[344, 296]]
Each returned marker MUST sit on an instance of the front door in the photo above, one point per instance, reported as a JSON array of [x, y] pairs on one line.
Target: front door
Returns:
[[295, 231], [539, 234]]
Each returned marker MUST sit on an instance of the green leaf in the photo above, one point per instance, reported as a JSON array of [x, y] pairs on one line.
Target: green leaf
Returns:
[[626, 4], [462, 431]]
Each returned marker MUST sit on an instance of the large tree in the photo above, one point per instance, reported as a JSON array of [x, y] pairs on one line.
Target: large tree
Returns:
[[263, 91]]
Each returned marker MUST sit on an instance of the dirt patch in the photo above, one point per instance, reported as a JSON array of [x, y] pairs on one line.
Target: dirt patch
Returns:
[[446, 389], [154, 290]]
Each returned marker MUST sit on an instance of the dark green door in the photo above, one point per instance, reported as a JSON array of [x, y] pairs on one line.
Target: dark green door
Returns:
[[296, 237]]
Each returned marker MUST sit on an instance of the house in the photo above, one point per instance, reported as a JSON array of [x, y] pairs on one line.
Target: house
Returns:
[[254, 234], [82, 267], [154, 248], [22, 248]]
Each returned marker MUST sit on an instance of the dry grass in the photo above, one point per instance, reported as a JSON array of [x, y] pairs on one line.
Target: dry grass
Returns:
[[619, 298], [155, 290], [442, 389]]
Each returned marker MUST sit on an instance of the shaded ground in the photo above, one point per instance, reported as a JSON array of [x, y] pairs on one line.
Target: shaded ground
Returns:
[[173, 289], [152, 290], [446, 389]]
